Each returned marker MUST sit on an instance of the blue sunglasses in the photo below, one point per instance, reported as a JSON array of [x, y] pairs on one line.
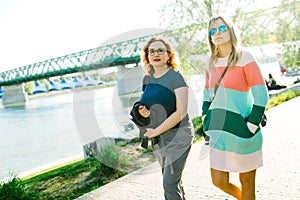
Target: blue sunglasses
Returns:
[[221, 29]]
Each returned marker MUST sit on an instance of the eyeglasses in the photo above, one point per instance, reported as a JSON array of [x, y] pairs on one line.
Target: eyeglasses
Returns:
[[221, 29], [159, 51]]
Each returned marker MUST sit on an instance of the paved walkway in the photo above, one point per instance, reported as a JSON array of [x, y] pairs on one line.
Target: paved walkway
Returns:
[[278, 179]]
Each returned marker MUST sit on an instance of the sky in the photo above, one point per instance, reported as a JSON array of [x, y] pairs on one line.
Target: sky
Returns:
[[37, 30]]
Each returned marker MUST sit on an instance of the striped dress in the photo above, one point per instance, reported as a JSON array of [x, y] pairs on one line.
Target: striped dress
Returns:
[[242, 96]]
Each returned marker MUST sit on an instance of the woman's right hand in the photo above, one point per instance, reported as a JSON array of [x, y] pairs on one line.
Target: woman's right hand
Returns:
[[144, 112]]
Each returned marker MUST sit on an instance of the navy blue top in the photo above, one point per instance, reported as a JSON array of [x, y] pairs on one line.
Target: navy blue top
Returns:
[[159, 95]]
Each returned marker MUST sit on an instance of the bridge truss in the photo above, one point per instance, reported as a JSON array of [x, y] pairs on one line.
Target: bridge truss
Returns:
[[122, 53]]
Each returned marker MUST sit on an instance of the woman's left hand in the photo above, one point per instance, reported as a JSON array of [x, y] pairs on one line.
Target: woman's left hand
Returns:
[[150, 133]]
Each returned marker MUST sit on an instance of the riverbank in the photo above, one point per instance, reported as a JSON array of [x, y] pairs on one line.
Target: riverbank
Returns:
[[70, 180], [58, 92]]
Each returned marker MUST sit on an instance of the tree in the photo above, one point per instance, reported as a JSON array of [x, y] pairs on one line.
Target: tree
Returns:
[[287, 32], [186, 22], [289, 54]]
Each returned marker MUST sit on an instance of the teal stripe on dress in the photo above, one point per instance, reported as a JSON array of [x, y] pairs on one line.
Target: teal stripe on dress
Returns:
[[225, 141], [233, 100], [207, 94], [228, 121], [262, 96]]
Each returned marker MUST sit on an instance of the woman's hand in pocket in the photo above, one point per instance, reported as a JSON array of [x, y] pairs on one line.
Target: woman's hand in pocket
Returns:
[[252, 127]]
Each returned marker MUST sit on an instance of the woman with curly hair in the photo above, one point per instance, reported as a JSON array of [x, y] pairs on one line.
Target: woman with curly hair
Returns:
[[165, 101]]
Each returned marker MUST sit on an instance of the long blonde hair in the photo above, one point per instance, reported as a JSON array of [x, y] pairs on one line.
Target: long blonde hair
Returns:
[[234, 38], [171, 62]]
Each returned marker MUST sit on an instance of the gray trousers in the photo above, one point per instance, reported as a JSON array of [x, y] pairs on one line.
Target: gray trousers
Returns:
[[172, 151]]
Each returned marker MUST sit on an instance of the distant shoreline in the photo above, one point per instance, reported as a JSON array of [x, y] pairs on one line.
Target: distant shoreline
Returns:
[[58, 92]]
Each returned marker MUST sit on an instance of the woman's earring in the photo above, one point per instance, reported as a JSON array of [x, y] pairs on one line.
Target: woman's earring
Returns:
[[168, 63]]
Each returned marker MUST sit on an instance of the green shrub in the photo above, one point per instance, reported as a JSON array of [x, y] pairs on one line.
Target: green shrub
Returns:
[[280, 98], [197, 124], [15, 189], [29, 87], [110, 160], [272, 102], [291, 94]]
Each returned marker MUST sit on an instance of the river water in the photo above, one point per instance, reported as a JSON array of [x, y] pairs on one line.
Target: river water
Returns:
[[53, 127], [46, 131]]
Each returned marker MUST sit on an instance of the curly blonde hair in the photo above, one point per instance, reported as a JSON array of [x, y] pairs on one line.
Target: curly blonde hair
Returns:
[[171, 62]]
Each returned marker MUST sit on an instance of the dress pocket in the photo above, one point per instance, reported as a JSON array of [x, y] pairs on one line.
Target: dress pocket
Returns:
[[244, 131], [250, 144]]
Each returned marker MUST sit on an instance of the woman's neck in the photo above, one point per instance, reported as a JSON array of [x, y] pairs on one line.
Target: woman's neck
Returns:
[[160, 70], [224, 50]]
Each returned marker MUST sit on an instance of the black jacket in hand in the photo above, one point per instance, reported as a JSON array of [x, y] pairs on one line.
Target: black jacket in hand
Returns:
[[141, 122], [137, 118]]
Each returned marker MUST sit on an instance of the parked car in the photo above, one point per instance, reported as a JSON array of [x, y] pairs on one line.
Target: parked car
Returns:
[[283, 68]]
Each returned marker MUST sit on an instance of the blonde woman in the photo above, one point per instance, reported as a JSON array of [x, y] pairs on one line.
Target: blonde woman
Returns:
[[233, 112]]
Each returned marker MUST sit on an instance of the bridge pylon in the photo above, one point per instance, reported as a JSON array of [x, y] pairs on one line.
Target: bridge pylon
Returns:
[[129, 79], [14, 95]]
